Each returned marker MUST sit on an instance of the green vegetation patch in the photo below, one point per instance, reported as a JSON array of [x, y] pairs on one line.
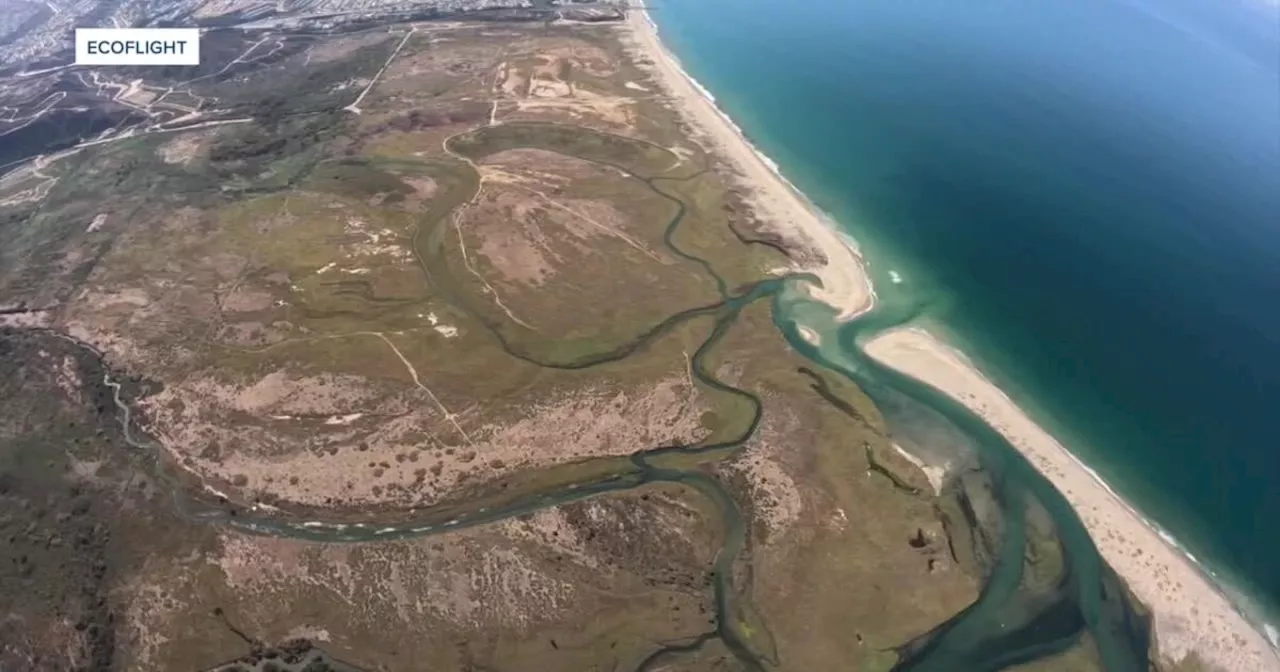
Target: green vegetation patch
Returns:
[[359, 178], [637, 156]]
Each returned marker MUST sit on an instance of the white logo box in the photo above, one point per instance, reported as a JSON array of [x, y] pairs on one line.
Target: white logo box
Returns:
[[137, 46]]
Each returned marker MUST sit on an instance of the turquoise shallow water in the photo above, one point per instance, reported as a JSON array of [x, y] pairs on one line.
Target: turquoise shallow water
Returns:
[[1084, 194]]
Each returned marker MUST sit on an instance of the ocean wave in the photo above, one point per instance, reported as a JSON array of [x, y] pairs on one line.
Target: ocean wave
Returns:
[[705, 93]]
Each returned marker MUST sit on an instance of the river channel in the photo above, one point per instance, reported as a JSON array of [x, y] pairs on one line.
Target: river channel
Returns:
[[1009, 624]]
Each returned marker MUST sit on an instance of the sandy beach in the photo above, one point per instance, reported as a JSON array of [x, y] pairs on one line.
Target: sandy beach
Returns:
[[1190, 613], [844, 284]]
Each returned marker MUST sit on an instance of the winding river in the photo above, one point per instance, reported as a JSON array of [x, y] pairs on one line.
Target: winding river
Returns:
[[1008, 624]]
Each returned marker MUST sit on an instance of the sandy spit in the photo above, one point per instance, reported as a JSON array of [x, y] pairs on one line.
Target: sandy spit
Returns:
[[1191, 613], [845, 285]]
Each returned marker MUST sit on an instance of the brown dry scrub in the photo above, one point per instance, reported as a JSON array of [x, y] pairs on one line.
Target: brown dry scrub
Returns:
[[608, 581], [341, 441]]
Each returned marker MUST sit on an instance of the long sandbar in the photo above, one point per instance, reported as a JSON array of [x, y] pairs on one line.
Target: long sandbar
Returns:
[[1191, 614], [775, 201]]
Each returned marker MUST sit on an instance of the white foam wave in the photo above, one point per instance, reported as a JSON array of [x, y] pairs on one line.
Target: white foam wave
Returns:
[[1239, 600], [773, 165], [705, 93]]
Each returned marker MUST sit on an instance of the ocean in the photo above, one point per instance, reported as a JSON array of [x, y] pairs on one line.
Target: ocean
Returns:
[[1082, 195]]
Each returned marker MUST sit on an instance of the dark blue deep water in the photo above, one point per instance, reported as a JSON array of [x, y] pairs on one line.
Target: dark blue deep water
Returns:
[[1085, 194]]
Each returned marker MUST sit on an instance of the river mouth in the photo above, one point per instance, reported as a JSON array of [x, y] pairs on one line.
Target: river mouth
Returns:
[[1004, 516], [1020, 617]]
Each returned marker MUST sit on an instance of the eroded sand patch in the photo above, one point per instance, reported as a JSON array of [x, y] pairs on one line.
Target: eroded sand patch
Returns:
[[774, 495], [521, 232], [182, 149]]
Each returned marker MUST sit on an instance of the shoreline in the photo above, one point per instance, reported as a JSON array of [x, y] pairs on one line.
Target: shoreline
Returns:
[[845, 285], [1191, 612]]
